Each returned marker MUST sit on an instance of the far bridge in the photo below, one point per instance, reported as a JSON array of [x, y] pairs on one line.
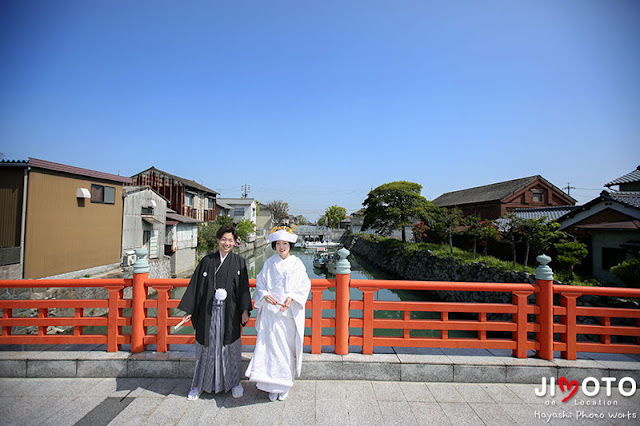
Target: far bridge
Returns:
[[319, 233]]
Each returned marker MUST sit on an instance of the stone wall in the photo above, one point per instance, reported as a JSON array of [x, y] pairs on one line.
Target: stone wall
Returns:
[[423, 266]]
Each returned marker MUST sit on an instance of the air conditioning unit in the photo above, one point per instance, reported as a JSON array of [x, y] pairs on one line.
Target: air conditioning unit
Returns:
[[129, 258]]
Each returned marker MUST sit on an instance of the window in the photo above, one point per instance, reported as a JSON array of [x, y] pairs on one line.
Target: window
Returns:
[[147, 210], [188, 199], [238, 212], [211, 203], [103, 194], [537, 196], [612, 257]]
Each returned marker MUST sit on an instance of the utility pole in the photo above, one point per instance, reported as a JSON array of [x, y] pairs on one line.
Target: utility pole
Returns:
[[569, 188], [244, 189]]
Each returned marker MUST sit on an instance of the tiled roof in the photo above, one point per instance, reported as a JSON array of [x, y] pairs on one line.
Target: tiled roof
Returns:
[[180, 218], [634, 176], [237, 201], [626, 197], [552, 213], [48, 165], [185, 182], [481, 194]]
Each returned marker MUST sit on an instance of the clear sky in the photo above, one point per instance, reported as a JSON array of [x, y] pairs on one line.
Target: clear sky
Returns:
[[316, 102]]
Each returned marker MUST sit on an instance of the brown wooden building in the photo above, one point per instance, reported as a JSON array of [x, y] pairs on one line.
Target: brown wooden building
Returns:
[[185, 196], [58, 219], [495, 200]]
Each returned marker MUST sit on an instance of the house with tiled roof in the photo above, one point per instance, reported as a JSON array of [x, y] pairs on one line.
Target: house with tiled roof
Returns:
[[186, 197], [58, 219], [628, 182], [495, 200], [609, 225]]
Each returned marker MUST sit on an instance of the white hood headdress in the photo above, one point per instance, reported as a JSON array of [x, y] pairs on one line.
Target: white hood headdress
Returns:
[[283, 233]]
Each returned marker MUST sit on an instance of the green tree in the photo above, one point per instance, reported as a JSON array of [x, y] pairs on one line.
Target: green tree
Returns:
[[279, 211], [322, 221], [570, 254], [334, 215], [302, 220], [510, 232], [628, 271], [450, 221], [244, 228], [488, 232], [539, 233], [474, 229], [395, 205]]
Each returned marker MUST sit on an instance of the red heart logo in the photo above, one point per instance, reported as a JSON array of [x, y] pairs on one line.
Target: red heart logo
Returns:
[[572, 386]]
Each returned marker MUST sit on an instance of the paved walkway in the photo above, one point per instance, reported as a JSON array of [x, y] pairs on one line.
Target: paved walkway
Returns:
[[311, 402], [85, 385]]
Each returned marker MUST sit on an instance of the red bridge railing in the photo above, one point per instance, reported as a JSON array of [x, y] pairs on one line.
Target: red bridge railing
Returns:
[[131, 320]]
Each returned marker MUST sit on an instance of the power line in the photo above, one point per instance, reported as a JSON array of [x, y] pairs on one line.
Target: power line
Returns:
[[569, 188]]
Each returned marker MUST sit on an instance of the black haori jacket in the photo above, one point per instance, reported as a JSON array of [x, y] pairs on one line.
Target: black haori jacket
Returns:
[[198, 298]]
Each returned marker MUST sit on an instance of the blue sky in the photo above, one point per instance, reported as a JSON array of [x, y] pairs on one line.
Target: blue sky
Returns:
[[317, 102]]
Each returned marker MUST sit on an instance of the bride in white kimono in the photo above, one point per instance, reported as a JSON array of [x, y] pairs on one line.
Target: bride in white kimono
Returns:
[[282, 289]]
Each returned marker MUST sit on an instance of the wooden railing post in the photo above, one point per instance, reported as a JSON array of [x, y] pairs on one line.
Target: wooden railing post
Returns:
[[112, 329], [544, 300], [568, 301], [139, 296], [520, 300], [162, 317], [343, 278]]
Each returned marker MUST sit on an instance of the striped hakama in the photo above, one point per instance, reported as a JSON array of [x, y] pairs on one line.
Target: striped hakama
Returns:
[[217, 366]]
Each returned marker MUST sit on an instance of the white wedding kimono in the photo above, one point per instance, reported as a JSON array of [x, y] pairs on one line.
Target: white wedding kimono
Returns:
[[278, 353]]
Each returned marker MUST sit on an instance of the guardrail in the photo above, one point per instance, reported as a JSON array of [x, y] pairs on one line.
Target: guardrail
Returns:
[[516, 334]]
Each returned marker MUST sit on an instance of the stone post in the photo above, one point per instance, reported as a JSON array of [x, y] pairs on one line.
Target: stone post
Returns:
[[343, 278], [139, 296], [544, 301]]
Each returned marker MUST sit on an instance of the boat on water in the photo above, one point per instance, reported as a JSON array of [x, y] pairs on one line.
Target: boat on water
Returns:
[[316, 244], [320, 259]]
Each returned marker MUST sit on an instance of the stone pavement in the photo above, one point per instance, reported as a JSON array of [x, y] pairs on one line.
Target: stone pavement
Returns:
[[84, 384], [151, 401]]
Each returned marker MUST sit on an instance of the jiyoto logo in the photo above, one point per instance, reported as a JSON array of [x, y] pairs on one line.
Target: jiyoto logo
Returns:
[[590, 387]]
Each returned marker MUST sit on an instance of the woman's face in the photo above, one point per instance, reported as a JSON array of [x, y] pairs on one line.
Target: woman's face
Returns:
[[282, 247], [226, 243]]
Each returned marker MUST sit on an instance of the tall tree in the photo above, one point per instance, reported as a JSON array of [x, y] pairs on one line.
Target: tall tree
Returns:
[[395, 205], [538, 233], [334, 215], [450, 220], [488, 232], [510, 232], [279, 211], [474, 228]]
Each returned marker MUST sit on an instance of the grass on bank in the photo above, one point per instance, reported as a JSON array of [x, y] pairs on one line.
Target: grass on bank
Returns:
[[466, 257]]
